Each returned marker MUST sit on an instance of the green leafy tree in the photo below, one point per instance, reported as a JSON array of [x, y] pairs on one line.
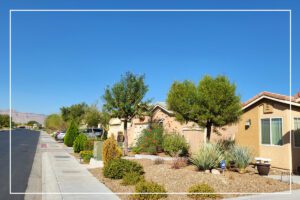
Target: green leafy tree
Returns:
[[54, 122], [4, 121], [92, 116], [32, 122], [71, 134], [213, 103], [75, 112], [125, 100]]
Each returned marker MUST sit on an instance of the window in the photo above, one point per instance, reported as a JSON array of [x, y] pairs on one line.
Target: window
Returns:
[[297, 132], [271, 131]]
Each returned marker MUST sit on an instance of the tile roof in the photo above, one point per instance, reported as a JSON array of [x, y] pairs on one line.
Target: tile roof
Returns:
[[281, 97]]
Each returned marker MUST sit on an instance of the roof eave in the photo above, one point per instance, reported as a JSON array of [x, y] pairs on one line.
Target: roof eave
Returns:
[[270, 98]]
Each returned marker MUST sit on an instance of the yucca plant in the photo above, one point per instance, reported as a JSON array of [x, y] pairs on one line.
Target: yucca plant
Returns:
[[208, 157], [241, 156]]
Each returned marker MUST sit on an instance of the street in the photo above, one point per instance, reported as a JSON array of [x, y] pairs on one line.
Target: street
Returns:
[[24, 143]]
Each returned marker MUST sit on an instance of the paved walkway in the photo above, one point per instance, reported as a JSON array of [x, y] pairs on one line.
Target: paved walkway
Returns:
[[295, 178], [61, 173]]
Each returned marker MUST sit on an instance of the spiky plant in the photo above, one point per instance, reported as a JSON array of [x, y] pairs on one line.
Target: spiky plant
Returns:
[[208, 157], [241, 156]]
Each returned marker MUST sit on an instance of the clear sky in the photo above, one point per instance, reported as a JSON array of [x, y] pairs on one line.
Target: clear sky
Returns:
[[61, 58]]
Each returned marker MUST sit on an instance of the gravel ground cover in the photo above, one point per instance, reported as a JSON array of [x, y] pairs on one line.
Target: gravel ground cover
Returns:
[[179, 180]]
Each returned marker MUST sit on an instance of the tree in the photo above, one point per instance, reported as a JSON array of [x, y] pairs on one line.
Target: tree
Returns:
[[75, 112], [92, 116], [182, 99], [54, 122], [4, 121], [212, 104], [71, 134], [104, 121], [32, 122], [125, 100]]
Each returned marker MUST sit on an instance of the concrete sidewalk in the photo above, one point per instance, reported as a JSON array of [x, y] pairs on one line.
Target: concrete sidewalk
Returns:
[[295, 195], [61, 173]]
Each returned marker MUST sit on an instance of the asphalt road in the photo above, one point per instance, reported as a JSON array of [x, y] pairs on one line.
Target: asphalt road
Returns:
[[24, 144]]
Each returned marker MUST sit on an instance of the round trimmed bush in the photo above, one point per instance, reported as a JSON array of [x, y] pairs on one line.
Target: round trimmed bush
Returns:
[[201, 188], [79, 143], [86, 156], [116, 169], [132, 178], [175, 144], [110, 150], [149, 187]]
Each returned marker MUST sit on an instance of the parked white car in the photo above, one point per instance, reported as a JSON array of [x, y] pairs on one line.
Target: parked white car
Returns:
[[61, 136]]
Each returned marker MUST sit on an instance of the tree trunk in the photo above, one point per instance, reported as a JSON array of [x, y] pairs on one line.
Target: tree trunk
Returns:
[[208, 131], [125, 151]]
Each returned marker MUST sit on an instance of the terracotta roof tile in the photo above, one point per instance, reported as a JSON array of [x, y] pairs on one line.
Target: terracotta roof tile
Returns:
[[272, 95]]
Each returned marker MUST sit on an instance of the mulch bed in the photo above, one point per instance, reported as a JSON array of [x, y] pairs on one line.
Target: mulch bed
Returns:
[[179, 180]]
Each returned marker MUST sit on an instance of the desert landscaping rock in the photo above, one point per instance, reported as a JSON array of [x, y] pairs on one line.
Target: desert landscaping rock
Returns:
[[179, 180], [215, 171]]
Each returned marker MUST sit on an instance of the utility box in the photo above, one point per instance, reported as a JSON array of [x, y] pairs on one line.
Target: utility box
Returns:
[[98, 150]]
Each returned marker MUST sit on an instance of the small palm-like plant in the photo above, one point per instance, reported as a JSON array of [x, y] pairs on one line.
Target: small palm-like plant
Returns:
[[208, 157], [241, 156]]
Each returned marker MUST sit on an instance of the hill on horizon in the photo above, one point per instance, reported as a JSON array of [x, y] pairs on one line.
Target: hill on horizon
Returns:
[[24, 117]]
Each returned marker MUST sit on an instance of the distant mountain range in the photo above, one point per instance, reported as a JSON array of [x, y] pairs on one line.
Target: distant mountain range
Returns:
[[23, 117]]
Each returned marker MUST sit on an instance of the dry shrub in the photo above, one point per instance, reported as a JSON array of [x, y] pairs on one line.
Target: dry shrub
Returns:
[[158, 161], [201, 188], [179, 162]]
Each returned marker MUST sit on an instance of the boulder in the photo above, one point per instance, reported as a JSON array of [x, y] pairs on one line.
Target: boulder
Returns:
[[215, 171]]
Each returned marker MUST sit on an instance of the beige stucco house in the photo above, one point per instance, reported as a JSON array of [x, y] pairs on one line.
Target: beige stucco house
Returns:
[[267, 125], [194, 134]]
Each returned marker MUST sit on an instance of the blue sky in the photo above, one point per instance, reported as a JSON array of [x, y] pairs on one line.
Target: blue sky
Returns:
[[61, 58]]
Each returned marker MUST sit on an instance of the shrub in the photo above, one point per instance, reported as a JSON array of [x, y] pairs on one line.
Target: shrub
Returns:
[[158, 161], [226, 146], [201, 188], [116, 169], [208, 157], [89, 144], [86, 156], [110, 150], [175, 144], [136, 149], [241, 156], [79, 143], [150, 141], [149, 187], [71, 134], [179, 162], [132, 178]]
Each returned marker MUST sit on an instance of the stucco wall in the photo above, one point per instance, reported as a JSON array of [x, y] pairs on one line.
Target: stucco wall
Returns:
[[251, 137]]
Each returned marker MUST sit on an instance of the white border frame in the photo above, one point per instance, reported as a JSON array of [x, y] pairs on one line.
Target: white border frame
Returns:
[[147, 10]]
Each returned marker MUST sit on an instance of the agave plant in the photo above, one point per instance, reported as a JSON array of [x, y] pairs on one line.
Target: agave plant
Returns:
[[241, 156], [208, 157]]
